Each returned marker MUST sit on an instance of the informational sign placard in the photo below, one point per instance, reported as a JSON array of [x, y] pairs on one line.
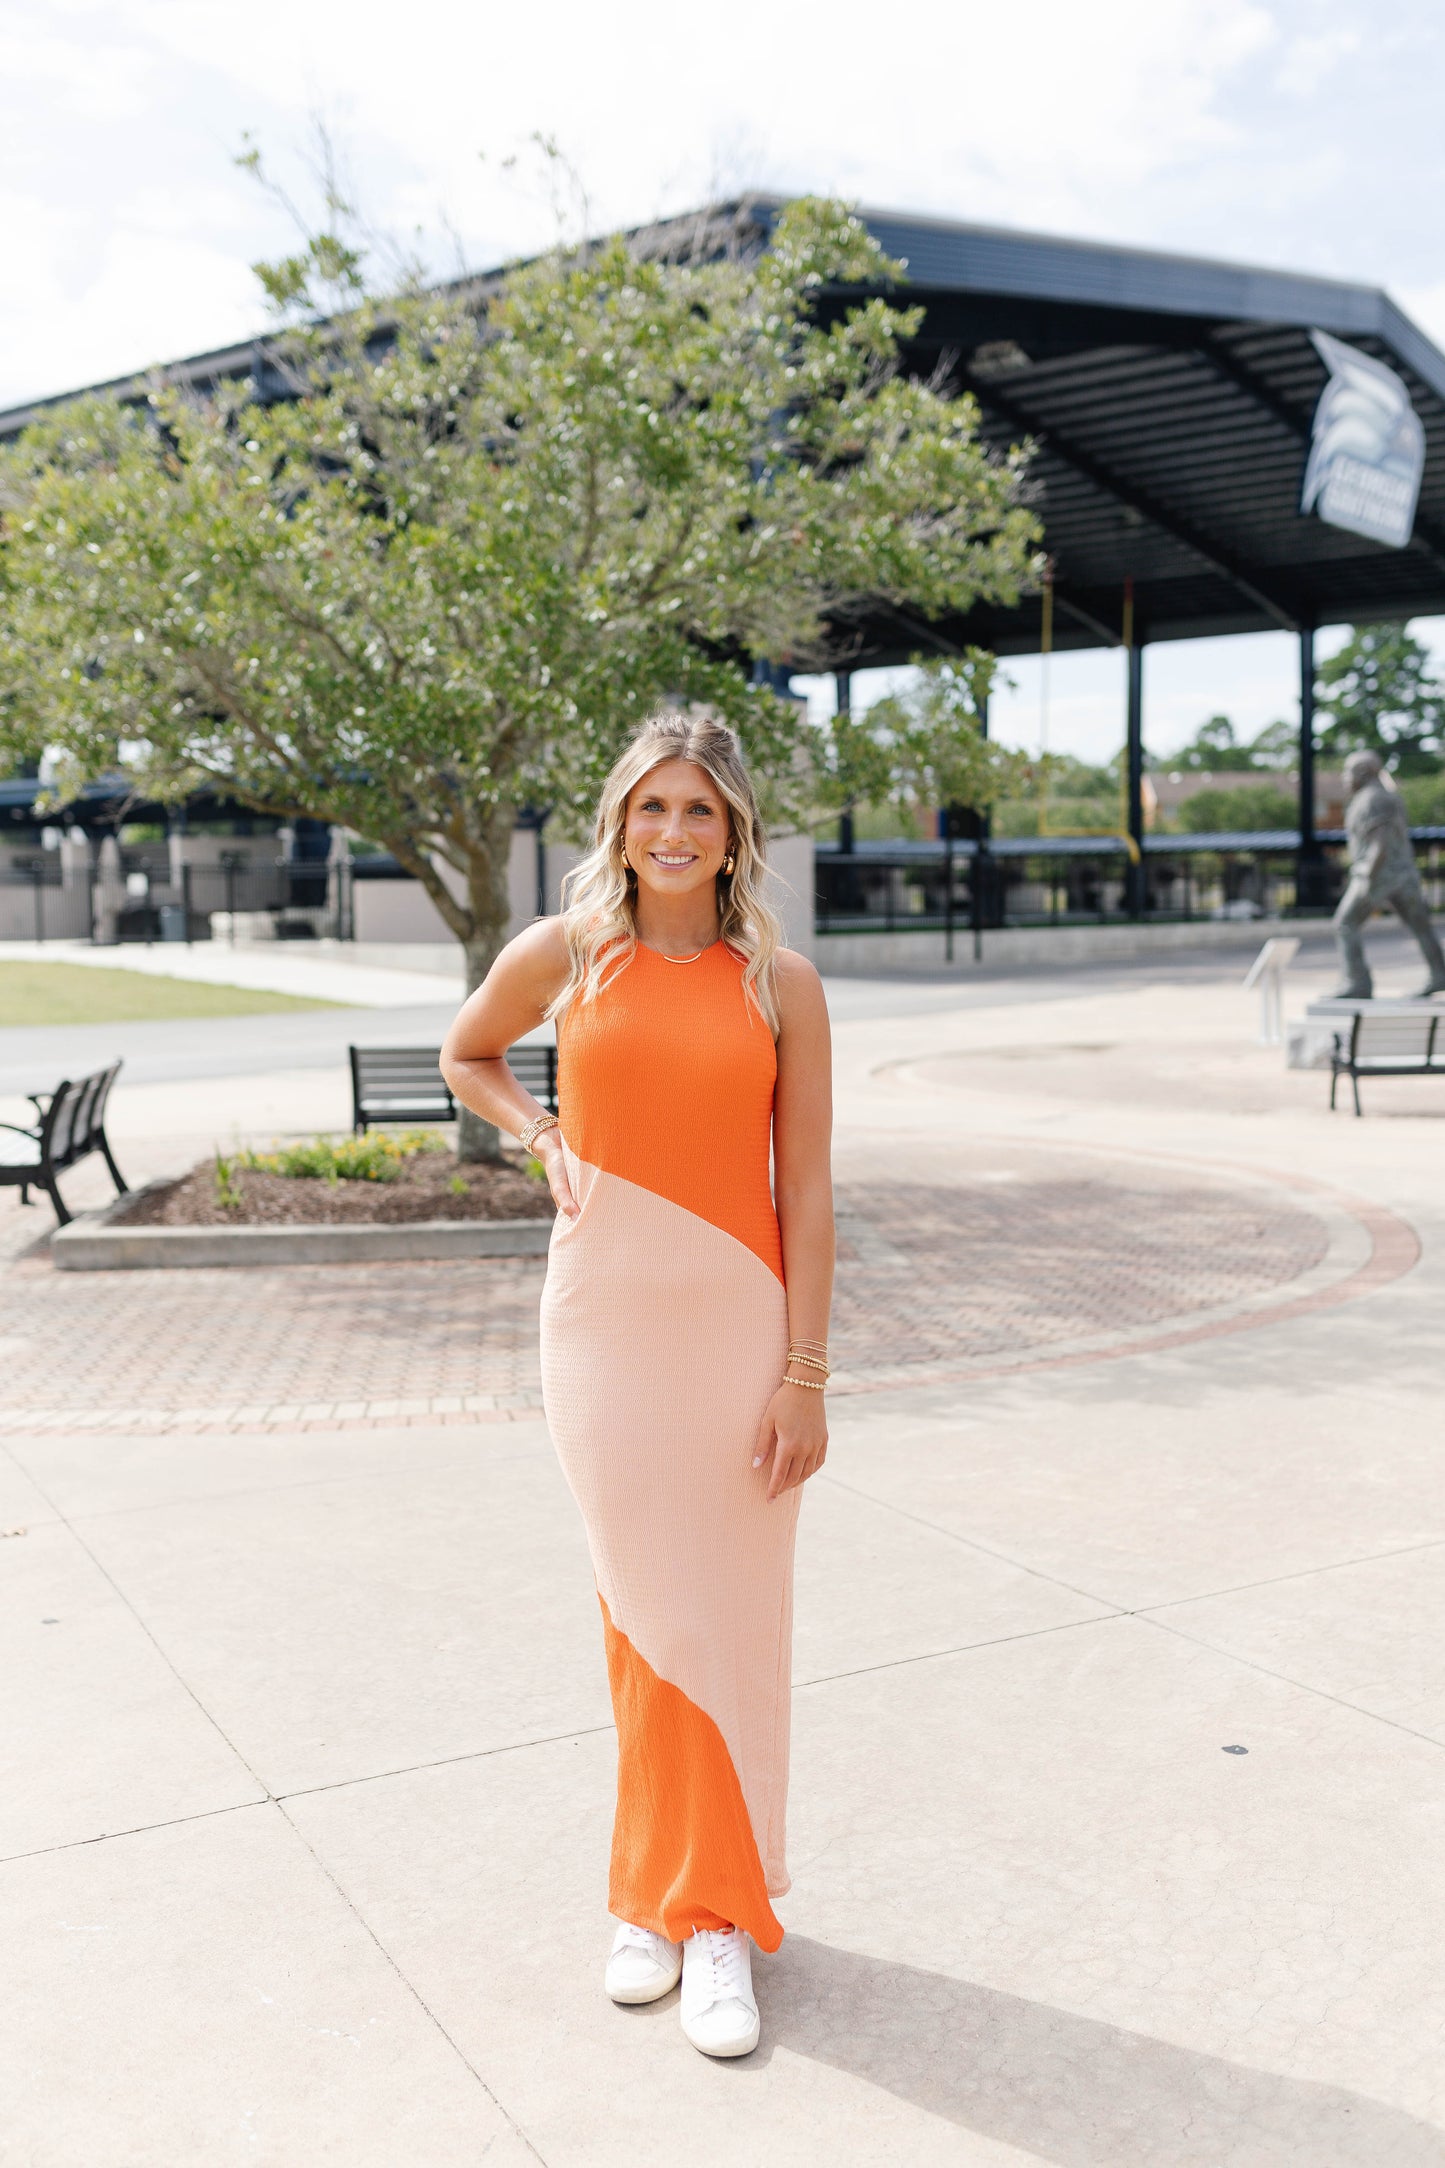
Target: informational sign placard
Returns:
[[1367, 453], [1267, 973]]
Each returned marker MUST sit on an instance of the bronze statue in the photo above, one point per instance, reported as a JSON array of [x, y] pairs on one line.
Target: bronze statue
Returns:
[[1382, 870]]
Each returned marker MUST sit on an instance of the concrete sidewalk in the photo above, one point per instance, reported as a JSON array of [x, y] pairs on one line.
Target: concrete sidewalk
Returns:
[[317, 970], [1119, 1769]]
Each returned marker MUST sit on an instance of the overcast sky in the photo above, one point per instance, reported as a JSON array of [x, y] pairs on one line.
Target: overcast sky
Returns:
[[1303, 133]]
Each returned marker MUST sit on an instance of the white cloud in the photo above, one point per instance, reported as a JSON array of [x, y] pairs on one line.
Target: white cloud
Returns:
[[100, 301], [1425, 305], [1309, 58], [1058, 116], [1267, 130], [78, 77]]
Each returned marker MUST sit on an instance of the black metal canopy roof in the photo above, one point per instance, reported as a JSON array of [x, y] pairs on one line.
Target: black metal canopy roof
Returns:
[[1170, 399]]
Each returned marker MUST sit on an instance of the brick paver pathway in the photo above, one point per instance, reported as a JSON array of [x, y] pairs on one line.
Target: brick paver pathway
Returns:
[[1027, 1248], [999, 1255], [274, 1348]]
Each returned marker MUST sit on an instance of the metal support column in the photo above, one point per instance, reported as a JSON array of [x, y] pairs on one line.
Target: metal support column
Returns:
[[980, 873], [1311, 889], [843, 688], [1137, 887], [542, 820]]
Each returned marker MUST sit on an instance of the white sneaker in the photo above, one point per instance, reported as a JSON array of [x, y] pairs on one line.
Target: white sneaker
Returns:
[[719, 2010], [643, 1966]]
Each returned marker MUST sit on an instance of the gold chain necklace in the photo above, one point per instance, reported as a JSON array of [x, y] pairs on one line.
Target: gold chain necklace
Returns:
[[680, 959]]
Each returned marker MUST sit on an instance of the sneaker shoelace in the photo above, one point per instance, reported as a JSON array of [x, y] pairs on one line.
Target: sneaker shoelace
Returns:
[[641, 1938], [725, 1953]]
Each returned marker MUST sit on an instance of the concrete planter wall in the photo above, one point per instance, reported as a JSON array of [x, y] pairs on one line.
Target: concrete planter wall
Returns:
[[94, 1242]]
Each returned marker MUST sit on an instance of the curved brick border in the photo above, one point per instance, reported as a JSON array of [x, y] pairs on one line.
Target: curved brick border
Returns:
[[1394, 1251]]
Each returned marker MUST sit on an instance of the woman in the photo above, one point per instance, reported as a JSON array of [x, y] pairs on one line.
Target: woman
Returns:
[[684, 1329]]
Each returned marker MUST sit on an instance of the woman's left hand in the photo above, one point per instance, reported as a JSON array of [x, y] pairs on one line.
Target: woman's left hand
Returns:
[[792, 1438]]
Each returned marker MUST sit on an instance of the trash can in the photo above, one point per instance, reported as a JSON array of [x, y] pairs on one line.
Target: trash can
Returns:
[[173, 921]]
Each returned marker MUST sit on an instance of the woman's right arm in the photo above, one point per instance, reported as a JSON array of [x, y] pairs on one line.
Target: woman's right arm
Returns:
[[511, 1001]]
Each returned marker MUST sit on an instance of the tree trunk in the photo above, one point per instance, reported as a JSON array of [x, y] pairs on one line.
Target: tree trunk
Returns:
[[491, 910], [476, 1139]]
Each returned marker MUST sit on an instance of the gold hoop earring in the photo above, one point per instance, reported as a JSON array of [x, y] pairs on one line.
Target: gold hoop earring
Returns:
[[728, 863], [627, 862]]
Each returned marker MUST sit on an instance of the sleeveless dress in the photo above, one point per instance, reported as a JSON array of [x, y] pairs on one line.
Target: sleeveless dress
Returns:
[[664, 1334]]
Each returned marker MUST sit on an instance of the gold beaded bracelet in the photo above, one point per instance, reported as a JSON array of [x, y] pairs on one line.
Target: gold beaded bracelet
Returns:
[[810, 1361], [807, 1385]]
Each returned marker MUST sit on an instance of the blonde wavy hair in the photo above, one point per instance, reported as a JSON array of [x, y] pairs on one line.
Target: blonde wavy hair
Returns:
[[599, 895]]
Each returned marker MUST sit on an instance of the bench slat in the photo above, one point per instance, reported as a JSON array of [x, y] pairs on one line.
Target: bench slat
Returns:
[[404, 1080], [403, 1083], [399, 1098], [1392, 1037]]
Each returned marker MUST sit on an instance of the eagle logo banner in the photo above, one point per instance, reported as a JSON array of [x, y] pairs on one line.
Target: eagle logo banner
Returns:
[[1367, 451]]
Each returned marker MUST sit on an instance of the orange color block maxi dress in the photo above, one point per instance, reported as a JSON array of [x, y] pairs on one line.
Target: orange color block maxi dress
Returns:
[[664, 1335]]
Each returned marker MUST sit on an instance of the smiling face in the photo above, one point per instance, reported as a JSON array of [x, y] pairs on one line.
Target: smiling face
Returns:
[[677, 829]]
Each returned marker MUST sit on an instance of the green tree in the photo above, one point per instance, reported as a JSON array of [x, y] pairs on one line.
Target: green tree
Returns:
[[1064, 796], [488, 531], [1276, 746], [1081, 779], [1378, 693], [924, 747], [1213, 747], [1424, 797], [1249, 807], [1216, 749]]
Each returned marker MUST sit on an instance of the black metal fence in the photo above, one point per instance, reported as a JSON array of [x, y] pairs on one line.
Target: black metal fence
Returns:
[[1088, 881], [148, 901], [895, 887], [33, 887]]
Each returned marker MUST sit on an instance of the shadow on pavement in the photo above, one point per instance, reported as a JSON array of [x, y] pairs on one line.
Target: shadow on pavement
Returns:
[[1069, 2089]]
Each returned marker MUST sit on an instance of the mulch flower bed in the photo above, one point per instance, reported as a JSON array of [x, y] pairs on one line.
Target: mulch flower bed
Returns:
[[428, 1186]]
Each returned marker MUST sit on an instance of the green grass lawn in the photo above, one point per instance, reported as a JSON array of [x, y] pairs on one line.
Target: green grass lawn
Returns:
[[36, 993]]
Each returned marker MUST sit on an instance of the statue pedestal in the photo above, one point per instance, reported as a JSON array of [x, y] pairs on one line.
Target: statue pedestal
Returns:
[[1309, 1038]]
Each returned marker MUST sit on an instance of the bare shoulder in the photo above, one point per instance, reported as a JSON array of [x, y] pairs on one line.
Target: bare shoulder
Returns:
[[800, 990], [533, 966], [793, 970], [542, 946]]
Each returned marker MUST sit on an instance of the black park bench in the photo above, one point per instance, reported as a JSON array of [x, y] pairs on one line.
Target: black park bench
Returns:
[[1399, 1042], [404, 1084], [70, 1126]]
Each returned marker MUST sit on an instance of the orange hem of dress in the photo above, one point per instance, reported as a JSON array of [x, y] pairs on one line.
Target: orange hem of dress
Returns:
[[684, 1855]]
